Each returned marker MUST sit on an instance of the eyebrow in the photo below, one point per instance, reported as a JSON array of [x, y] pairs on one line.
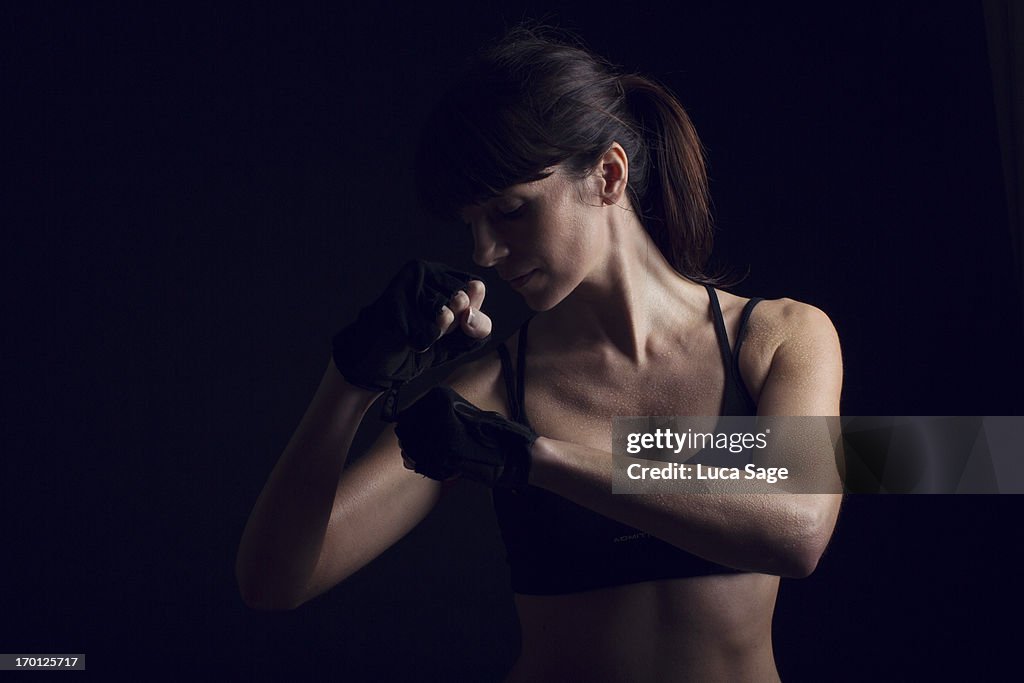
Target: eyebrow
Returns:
[[479, 202], [507, 193]]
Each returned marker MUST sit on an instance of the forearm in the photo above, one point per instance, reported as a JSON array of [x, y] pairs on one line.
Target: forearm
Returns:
[[765, 530], [283, 538]]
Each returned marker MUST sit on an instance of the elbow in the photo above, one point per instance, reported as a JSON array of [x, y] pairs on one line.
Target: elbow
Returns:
[[805, 542], [801, 564]]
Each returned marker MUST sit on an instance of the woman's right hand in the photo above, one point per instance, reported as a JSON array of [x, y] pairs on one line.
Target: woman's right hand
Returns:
[[463, 313], [420, 321]]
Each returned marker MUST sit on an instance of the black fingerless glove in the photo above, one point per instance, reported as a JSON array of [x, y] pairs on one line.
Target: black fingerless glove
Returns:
[[443, 436], [392, 339]]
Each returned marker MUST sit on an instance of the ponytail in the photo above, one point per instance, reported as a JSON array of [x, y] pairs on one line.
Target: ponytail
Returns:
[[675, 205]]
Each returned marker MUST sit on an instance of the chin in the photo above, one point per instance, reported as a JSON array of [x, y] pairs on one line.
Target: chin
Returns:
[[539, 307], [542, 299]]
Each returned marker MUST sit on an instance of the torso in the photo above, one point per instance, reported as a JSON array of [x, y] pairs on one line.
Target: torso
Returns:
[[697, 628]]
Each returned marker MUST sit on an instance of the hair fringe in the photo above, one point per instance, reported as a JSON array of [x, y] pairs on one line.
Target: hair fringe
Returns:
[[536, 96]]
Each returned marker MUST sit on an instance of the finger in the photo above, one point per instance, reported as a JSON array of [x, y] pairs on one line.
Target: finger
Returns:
[[445, 320], [476, 291], [475, 323], [459, 303]]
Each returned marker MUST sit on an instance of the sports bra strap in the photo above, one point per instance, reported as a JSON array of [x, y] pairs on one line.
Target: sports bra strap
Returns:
[[720, 333], [510, 387], [742, 333], [521, 374], [515, 384]]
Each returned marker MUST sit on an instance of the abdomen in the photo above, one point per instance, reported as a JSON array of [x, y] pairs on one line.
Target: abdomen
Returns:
[[700, 628]]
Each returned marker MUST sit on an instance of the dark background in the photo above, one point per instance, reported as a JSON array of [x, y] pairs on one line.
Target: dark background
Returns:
[[208, 195]]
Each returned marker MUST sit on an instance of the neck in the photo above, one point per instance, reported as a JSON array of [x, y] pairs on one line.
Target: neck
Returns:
[[621, 307]]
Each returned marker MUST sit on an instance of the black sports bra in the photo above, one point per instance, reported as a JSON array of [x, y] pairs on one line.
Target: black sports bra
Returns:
[[554, 546]]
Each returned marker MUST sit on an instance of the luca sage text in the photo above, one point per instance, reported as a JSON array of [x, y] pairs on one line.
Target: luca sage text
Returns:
[[681, 471]]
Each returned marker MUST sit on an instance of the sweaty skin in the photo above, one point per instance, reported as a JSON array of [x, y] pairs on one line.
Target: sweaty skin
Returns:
[[617, 332], [698, 628]]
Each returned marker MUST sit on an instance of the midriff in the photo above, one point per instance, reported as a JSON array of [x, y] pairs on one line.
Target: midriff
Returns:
[[706, 628]]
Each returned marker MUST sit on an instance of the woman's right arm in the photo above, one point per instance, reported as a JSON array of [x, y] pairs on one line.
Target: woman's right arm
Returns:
[[311, 527], [316, 523]]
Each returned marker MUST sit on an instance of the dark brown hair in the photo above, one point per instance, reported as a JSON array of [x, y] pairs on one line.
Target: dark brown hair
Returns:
[[535, 99]]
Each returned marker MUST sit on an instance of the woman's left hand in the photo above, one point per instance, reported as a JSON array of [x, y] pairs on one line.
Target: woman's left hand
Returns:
[[444, 436]]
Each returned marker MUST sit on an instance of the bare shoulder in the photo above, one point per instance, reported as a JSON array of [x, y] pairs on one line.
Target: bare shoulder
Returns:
[[781, 333], [788, 321]]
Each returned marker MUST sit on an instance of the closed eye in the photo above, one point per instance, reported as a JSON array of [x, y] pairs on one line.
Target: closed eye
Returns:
[[515, 213]]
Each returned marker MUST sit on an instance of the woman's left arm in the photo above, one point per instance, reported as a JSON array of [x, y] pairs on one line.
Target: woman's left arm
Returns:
[[769, 532]]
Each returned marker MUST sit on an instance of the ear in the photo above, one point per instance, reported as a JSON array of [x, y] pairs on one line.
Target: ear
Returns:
[[612, 172]]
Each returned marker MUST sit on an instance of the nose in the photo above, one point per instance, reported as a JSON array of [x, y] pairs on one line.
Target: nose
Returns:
[[486, 249]]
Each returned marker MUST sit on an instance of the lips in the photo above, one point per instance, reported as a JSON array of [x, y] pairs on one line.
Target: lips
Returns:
[[521, 280]]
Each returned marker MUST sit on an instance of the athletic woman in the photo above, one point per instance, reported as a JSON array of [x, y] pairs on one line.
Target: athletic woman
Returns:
[[585, 189]]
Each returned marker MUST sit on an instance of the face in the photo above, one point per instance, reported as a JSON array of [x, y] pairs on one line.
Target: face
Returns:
[[541, 237]]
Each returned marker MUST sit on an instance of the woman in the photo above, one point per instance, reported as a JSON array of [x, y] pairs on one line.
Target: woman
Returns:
[[585, 189]]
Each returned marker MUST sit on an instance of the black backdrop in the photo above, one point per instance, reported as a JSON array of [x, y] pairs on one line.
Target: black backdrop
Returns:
[[212, 193]]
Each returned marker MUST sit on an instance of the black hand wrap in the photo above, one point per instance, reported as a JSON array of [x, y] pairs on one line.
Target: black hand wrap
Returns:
[[387, 345], [444, 436]]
